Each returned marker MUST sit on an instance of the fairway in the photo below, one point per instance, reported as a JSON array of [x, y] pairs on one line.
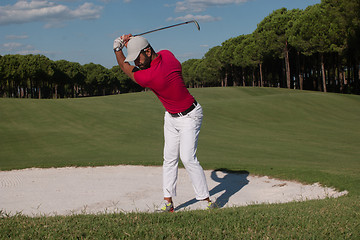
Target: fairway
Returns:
[[307, 136], [288, 134]]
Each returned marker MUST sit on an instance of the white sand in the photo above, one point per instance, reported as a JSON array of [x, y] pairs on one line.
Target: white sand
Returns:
[[65, 191]]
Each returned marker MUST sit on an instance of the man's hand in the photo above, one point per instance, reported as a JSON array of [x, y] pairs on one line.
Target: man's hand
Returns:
[[118, 44], [121, 42], [126, 38]]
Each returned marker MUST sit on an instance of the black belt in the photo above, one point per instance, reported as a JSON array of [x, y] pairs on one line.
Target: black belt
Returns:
[[180, 114]]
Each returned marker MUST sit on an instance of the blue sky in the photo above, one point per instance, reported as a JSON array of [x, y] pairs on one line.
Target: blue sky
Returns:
[[83, 30]]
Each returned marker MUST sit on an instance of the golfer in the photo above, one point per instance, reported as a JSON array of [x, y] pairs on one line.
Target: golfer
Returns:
[[161, 72]]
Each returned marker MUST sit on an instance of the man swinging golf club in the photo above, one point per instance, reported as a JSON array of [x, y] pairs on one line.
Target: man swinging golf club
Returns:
[[161, 72]]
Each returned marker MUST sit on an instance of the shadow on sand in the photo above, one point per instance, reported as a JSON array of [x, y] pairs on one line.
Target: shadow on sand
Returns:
[[231, 183]]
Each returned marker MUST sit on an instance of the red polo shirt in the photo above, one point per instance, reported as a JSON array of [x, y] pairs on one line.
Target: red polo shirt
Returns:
[[164, 78]]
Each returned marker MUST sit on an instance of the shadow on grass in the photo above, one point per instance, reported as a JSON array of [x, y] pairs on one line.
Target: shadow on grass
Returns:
[[231, 183]]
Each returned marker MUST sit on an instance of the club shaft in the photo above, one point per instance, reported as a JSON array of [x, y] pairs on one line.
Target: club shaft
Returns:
[[163, 28]]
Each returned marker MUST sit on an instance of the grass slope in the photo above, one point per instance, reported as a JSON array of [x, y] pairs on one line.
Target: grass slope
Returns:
[[308, 136], [290, 134]]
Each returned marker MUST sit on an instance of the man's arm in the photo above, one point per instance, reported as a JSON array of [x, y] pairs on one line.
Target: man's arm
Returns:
[[119, 44], [125, 66]]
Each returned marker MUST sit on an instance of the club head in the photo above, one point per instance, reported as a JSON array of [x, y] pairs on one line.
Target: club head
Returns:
[[197, 24]]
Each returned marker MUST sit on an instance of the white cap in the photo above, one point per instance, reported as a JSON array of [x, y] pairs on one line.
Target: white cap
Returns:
[[134, 47]]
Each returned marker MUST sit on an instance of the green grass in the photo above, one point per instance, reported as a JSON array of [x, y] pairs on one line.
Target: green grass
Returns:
[[326, 219], [289, 134]]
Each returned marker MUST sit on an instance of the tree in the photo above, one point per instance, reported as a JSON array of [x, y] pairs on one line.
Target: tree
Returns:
[[97, 79], [9, 65], [188, 71], [254, 53], [344, 16], [210, 67], [271, 34], [37, 71], [227, 56], [73, 80], [316, 32], [121, 82], [243, 56], [201, 72]]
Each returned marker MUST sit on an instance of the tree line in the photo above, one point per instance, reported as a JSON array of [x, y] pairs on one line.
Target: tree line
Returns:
[[36, 76], [315, 49]]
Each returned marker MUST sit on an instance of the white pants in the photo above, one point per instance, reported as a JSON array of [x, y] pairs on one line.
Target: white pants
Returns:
[[181, 138]]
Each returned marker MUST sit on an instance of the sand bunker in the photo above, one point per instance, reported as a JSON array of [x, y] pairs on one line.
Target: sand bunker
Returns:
[[66, 191]]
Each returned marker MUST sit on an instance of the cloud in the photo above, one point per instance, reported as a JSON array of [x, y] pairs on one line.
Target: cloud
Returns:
[[19, 48], [32, 51], [202, 5], [200, 18], [54, 24], [15, 46], [44, 11], [185, 56], [13, 37], [11, 46], [86, 11]]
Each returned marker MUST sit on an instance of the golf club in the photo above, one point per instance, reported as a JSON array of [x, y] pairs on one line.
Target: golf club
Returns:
[[175, 25]]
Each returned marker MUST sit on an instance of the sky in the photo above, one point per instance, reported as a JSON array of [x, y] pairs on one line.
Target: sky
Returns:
[[83, 31]]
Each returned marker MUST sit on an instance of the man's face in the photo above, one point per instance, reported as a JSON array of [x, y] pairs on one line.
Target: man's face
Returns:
[[143, 61]]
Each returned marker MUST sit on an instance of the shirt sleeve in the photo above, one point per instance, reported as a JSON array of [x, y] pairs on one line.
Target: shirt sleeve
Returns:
[[142, 78]]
